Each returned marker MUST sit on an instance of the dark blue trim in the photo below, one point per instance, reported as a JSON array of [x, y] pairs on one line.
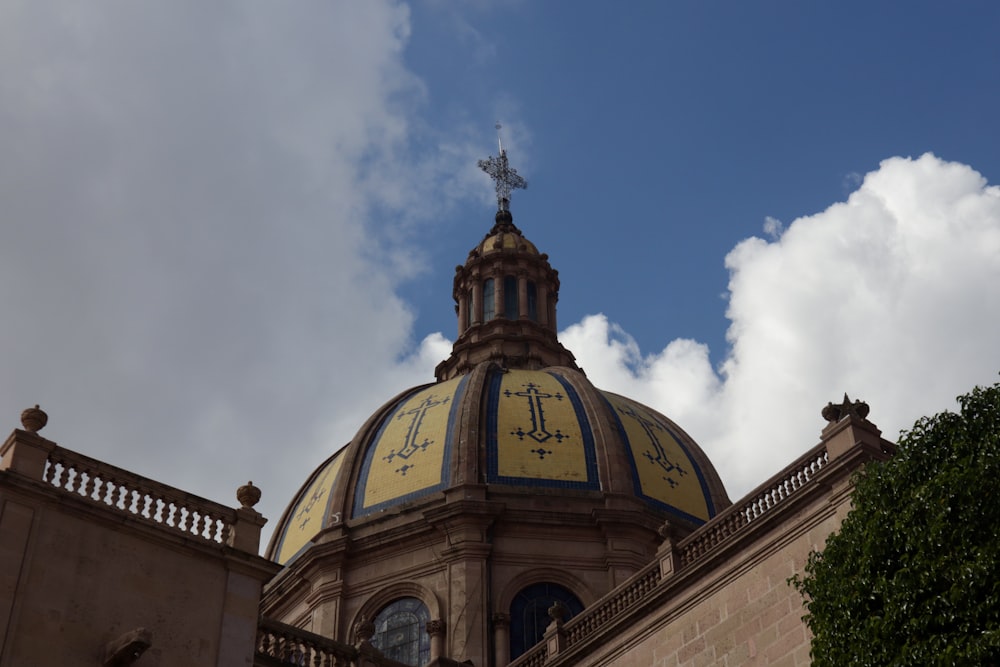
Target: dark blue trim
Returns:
[[359, 509], [298, 501], [492, 442], [637, 485]]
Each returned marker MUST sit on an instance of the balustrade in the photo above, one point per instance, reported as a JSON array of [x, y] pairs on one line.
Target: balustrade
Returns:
[[278, 643], [767, 496], [139, 497], [693, 548]]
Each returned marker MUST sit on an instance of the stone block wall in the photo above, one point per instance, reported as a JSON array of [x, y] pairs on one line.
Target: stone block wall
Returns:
[[78, 574]]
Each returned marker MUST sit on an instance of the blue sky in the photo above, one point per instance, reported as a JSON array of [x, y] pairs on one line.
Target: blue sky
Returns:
[[659, 136], [229, 231]]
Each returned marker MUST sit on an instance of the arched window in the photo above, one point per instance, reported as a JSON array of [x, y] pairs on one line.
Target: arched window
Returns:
[[510, 297], [532, 301], [401, 632], [489, 306], [529, 614]]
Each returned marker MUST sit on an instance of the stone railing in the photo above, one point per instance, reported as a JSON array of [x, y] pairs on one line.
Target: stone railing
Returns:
[[764, 498], [281, 644], [288, 645], [631, 592], [699, 544], [139, 497], [535, 657]]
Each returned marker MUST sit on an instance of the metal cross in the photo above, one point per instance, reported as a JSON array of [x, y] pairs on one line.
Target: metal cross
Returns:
[[506, 179]]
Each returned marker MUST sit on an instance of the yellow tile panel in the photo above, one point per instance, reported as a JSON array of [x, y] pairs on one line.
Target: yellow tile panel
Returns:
[[307, 518], [663, 468], [410, 447], [538, 430]]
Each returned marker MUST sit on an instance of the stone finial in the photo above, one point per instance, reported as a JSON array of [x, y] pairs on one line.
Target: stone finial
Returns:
[[666, 530], [558, 611], [248, 495], [364, 630], [834, 413], [34, 419]]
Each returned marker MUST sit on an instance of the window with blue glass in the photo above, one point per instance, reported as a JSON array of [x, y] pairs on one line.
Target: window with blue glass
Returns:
[[510, 297], [529, 614], [401, 632], [489, 307], [532, 302]]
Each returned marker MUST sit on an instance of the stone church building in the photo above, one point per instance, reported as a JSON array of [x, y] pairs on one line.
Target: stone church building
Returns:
[[508, 513]]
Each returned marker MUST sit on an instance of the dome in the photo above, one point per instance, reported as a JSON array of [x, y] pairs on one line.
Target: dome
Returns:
[[504, 237], [511, 455], [514, 434]]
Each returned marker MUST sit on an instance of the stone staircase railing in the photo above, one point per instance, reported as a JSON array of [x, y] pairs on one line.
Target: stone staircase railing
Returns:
[[764, 498], [604, 611], [698, 545], [281, 644]]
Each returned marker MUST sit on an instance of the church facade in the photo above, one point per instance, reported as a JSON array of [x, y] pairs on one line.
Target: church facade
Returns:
[[508, 513]]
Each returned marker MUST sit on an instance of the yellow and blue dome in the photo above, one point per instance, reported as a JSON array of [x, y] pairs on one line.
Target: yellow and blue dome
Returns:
[[512, 422], [515, 432]]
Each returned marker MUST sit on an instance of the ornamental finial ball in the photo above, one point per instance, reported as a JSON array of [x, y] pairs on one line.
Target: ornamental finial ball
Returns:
[[558, 611], [248, 495], [34, 419]]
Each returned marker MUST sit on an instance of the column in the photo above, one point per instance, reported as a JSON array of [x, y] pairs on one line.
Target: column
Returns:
[[501, 638], [477, 302], [435, 629], [522, 296], [463, 312]]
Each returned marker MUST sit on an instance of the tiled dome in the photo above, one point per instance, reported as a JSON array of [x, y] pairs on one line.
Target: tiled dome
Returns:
[[547, 431], [511, 422]]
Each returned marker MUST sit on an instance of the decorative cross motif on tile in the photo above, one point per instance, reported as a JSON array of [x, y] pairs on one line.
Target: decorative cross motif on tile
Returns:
[[304, 512], [412, 442], [658, 455], [536, 413]]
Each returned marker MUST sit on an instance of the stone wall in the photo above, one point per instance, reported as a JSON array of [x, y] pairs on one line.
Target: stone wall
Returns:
[[78, 573], [744, 613], [720, 596]]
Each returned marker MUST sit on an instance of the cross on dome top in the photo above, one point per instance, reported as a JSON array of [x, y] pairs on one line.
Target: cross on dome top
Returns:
[[506, 178]]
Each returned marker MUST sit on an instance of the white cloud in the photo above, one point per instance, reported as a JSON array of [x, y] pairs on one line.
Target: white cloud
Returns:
[[195, 194], [890, 296], [206, 209], [773, 227]]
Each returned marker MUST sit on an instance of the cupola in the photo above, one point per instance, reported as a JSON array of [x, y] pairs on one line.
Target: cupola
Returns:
[[505, 294]]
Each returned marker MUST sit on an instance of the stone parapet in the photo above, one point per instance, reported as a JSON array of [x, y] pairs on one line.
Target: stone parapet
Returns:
[[281, 644], [25, 453], [741, 523], [764, 498], [31, 456]]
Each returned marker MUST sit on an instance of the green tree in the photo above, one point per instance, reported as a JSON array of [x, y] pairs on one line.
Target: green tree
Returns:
[[913, 575]]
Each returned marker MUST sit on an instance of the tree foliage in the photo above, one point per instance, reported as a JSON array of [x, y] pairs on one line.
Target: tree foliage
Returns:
[[913, 575]]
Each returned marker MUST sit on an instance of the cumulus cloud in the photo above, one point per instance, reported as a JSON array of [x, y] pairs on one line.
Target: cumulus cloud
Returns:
[[890, 296], [773, 227], [205, 215]]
